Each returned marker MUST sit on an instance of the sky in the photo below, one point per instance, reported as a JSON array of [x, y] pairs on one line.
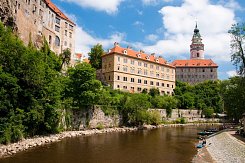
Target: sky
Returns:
[[163, 27]]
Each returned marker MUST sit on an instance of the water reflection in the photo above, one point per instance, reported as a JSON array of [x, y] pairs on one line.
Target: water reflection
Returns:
[[175, 144]]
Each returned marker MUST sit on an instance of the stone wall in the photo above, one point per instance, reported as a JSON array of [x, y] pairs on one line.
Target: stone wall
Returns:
[[189, 115], [92, 118], [6, 12]]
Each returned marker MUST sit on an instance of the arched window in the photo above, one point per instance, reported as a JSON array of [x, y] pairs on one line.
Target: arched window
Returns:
[[57, 41]]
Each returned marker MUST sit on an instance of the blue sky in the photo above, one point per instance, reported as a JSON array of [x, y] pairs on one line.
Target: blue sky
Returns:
[[164, 27]]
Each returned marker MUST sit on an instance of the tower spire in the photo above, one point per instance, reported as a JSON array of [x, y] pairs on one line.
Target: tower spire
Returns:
[[197, 47]]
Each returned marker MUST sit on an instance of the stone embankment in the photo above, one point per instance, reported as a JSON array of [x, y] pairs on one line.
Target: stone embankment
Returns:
[[222, 148], [226, 148], [7, 150]]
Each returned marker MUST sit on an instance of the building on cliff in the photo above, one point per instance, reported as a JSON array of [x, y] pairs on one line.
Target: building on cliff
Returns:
[[133, 71], [197, 68], [36, 19]]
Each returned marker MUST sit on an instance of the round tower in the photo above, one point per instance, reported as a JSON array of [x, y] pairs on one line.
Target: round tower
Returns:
[[196, 47]]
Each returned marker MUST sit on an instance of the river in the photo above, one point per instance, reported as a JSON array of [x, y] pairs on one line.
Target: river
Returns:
[[168, 144]]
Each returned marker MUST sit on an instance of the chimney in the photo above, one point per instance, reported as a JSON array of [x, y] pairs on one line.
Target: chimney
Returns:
[[142, 51], [153, 54], [129, 47]]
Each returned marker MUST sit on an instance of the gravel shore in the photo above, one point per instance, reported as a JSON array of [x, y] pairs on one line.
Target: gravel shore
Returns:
[[222, 148]]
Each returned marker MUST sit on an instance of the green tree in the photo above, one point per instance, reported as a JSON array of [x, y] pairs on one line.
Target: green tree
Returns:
[[154, 92], [233, 93], [95, 56], [237, 33], [31, 89], [83, 86], [208, 112], [135, 107], [65, 57]]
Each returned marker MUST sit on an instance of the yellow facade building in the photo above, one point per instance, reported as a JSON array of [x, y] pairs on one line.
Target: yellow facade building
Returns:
[[133, 71]]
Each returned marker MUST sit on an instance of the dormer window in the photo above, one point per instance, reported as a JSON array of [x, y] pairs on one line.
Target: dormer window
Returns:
[[125, 52], [138, 55], [148, 57], [157, 60]]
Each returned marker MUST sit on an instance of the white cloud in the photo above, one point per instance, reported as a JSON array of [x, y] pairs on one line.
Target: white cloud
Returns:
[[214, 20], [154, 2], [150, 2], [151, 37], [109, 6], [232, 73], [84, 41], [139, 25], [139, 12], [231, 4]]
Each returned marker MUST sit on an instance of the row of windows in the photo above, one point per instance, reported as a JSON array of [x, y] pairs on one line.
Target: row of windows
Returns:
[[195, 76], [57, 19], [139, 89], [145, 72], [133, 62], [57, 41], [196, 70], [132, 80]]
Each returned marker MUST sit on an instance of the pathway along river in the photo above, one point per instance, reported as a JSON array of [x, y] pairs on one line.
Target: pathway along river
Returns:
[[168, 144]]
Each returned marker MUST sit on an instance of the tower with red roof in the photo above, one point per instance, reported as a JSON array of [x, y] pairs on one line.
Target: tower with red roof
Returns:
[[196, 69]]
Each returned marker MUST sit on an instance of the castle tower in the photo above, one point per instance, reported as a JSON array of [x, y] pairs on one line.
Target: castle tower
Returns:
[[196, 47]]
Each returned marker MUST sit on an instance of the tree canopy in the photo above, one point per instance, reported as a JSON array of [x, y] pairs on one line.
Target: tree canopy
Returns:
[[30, 89], [237, 33], [95, 56]]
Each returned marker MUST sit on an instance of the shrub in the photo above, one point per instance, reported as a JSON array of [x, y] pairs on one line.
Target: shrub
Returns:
[[180, 121], [155, 117], [100, 126]]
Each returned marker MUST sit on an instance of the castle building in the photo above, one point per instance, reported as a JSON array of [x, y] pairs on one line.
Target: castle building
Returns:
[[197, 68], [133, 71], [36, 19]]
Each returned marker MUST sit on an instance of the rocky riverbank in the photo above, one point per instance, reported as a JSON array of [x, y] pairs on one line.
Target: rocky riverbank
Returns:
[[222, 148], [25, 144], [7, 150]]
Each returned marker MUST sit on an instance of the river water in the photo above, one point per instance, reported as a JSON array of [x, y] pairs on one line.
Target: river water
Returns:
[[165, 145]]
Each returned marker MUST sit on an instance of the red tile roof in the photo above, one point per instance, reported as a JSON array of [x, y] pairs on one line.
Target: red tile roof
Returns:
[[79, 55], [57, 11], [138, 54], [194, 63]]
